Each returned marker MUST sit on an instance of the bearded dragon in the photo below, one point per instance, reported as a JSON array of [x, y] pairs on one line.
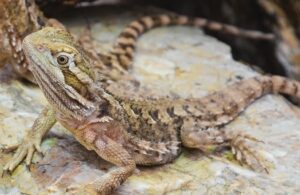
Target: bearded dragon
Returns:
[[127, 131]]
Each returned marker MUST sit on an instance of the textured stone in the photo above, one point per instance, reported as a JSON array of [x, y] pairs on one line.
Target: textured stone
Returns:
[[173, 61]]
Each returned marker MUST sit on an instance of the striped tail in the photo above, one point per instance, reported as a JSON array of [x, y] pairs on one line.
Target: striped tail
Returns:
[[248, 90], [223, 106], [125, 45]]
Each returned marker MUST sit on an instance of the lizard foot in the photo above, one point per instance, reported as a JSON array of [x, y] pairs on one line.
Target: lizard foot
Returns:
[[243, 148], [25, 149]]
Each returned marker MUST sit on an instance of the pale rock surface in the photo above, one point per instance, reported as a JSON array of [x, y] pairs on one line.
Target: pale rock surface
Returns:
[[174, 61]]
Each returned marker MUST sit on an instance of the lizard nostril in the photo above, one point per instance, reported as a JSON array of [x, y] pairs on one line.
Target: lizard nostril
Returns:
[[40, 47]]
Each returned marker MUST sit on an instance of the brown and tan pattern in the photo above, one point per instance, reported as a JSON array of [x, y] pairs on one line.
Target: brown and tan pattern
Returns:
[[127, 131]]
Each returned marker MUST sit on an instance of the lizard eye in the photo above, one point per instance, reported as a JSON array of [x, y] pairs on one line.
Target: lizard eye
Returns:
[[62, 59]]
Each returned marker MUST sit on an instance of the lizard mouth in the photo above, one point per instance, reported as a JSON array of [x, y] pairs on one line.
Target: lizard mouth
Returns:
[[29, 52], [36, 57]]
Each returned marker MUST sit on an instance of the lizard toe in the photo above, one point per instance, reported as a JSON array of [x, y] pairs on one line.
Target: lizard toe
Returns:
[[245, 152]]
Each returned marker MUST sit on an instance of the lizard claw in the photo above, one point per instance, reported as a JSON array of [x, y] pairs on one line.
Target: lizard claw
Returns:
[[25, 149]]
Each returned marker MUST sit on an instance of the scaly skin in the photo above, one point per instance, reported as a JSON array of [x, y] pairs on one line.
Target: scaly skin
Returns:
[[129, 132]]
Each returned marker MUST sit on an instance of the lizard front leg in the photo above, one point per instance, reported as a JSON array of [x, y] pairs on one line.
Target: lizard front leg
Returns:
[[32, 141], [113, 152], [116, 154]]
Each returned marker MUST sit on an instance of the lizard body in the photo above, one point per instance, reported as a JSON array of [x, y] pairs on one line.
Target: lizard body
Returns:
[[127, 131]]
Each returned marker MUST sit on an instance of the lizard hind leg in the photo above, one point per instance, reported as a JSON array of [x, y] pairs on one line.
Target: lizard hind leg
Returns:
[[243, 145]]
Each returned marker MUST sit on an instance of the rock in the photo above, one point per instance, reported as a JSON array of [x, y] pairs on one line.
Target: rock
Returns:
[[174, 61]]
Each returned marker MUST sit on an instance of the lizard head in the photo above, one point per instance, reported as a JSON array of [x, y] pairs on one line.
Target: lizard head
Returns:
[[60, 67], [56, 51]]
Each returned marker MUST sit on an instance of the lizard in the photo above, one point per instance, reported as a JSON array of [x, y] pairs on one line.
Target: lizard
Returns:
[[126, 131], [22, 17]]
